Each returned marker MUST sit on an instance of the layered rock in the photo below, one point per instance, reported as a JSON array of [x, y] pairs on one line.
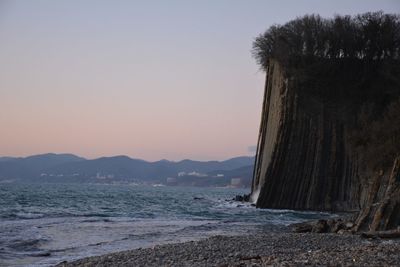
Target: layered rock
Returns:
[[382, 209], [305, 159]]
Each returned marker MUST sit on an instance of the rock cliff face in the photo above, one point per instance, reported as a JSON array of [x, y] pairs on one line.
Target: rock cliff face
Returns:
[[381, 210], [305, 159]]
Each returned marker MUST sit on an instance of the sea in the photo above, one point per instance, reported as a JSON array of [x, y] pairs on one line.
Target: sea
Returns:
[[45, 224]]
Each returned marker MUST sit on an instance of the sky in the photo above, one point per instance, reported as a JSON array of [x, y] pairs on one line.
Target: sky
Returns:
[[149, 79]]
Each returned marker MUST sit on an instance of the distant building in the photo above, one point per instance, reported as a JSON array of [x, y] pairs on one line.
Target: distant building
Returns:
[[236, 182], [172, 181], [99, 176], [193, 173], [197, 174]]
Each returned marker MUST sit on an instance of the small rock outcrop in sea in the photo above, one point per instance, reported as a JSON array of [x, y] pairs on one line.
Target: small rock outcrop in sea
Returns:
[[242, 198], [329, 136]]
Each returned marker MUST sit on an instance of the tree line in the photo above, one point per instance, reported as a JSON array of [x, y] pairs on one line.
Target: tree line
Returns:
[[369, 36]]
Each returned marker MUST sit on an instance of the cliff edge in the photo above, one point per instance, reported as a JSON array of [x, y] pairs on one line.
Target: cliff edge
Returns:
[[329, 136]]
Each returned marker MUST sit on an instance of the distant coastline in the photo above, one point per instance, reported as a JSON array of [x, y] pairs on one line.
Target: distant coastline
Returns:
[[68, 168]]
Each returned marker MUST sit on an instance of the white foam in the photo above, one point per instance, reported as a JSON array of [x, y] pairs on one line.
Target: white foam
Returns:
[[254, 196]]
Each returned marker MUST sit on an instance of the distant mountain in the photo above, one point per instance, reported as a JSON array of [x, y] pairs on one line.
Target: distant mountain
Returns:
[[118, 167], [207, 166], [44, 161], [32, 166], [6, 158], [71, 168]]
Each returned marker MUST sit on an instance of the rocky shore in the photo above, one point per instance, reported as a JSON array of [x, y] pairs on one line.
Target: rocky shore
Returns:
[[270, 249]]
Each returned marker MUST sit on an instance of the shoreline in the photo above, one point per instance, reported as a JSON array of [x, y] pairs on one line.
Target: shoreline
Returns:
[[273, 248]]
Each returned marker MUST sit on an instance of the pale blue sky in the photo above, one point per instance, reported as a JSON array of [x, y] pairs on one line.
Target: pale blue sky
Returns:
[[149, 79]]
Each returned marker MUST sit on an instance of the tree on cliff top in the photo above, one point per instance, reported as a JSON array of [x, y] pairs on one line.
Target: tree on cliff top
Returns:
[[369, 36], [351, 64]]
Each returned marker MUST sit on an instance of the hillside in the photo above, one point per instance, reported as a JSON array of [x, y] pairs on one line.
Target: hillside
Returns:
[[66, 168]]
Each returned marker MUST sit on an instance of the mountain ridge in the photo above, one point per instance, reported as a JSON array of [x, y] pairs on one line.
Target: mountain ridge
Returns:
[[51, 167]]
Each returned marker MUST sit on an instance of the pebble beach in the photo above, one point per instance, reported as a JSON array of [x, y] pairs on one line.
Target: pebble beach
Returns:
[[270, 249]]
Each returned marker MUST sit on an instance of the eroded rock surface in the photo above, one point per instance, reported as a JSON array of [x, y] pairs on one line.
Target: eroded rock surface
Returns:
[[307, 158]]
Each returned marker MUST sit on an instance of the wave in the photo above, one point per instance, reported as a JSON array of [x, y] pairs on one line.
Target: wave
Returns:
[[86, 221], [26, 244], [22, 215], [97, 220], [93, 215]]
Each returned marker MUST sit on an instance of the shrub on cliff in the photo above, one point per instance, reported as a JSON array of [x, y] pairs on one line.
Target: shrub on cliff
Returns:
[[369, 36], [351, 64]]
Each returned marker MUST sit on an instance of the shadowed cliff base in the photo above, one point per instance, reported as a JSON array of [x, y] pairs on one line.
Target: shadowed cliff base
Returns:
[[330, 129]]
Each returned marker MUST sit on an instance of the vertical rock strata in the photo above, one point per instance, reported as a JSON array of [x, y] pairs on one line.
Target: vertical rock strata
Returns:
[[382, 207], [330, 127], [303, 161]]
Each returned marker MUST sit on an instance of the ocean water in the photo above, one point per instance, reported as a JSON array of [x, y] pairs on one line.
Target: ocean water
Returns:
[[44, 224]]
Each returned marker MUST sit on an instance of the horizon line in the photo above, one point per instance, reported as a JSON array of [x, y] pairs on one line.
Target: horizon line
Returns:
[[120, 155]]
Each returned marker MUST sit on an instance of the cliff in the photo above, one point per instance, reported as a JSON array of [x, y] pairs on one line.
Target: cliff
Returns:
[[328, 141]]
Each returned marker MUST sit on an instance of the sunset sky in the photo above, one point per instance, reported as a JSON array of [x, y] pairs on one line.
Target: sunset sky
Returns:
[[149, 79]]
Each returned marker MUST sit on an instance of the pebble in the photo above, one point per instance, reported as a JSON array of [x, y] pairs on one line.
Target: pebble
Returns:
[[276, 249]]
